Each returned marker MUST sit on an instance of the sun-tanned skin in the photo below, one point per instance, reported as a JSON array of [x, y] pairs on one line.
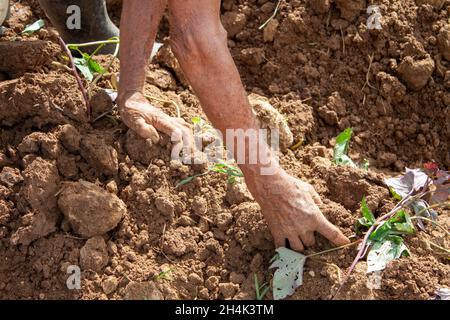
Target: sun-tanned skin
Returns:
[[198, 40]]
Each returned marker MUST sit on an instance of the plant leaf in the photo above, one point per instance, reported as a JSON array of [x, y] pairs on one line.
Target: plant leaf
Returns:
[[93, 65], [367, 214], [413, 180], [442, 294], [421, 208], [83, 67], [401, 223], [289, 273], [368, 218], [34, 27], [341, 148], [442, 184], [196, 120], [382, 252]]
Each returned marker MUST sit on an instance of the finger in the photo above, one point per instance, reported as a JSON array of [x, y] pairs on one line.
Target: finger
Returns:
[[146, 131], [332, 233], [308, 238], [315, 196], [188, 141], [279, 240], [295, 243]]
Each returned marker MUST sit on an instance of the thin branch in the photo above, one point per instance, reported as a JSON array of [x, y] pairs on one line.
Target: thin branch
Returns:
[[333, 249], [165, 101], [433, 222], [77, 77], [95, 43], [272, 16], [367, 83]]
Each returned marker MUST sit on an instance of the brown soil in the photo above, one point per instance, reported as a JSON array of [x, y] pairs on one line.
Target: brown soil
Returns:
[[63, 180]]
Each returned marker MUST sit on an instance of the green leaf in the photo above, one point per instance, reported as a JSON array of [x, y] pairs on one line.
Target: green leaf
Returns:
[[196, 120], [381, 232], [82, 65], [368, 218], [185, 181], [367, 214], [93, 65], [402, 223], [382, 252], [34, 27], [341, 148], [399, 224], [289, 273], [394, 194]]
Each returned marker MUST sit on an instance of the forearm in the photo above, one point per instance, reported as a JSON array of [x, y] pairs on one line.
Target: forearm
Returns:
[[218, 85], [139, 25]]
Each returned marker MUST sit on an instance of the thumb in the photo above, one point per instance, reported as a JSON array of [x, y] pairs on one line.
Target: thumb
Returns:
[[146, 131]]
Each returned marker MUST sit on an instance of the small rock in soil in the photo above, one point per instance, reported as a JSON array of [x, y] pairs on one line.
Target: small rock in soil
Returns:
[[91, 210], [142, 291], [138, 148], [350, 9], [99, 155], [10, 176], [444, 42], [233, 22], [270, 30], [228, 290], [70, 137], [237, 193], [41, 183], [94, 254], [416, 73], [109, 285], [165, 206], [271, 119], [320, 6]]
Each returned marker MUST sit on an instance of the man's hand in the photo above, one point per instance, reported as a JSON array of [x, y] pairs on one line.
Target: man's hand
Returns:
[[139, 115], [290, 207]]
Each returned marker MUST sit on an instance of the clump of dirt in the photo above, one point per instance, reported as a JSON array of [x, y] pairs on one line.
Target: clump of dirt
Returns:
[[95, 195]]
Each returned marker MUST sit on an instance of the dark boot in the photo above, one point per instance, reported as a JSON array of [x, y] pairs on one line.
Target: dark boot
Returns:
[[4, 10], [95, 22]]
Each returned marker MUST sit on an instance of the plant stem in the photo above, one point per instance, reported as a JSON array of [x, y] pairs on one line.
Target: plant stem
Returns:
[[165, 101], [94, 43], [272, 16], [436, 205], [439, 247], [433, 222], [404, 202], [101, 74], [77, 77], [333, 249]]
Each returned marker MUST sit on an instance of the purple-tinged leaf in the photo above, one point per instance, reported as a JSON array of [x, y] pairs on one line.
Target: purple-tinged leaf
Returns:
[[413, 180]]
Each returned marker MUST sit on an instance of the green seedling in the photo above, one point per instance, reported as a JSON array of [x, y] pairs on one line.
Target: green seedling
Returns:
[[86, 63], [260, 290], [232, 172], [386, 242], [164, 275], [340, 156], [341, 148]]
